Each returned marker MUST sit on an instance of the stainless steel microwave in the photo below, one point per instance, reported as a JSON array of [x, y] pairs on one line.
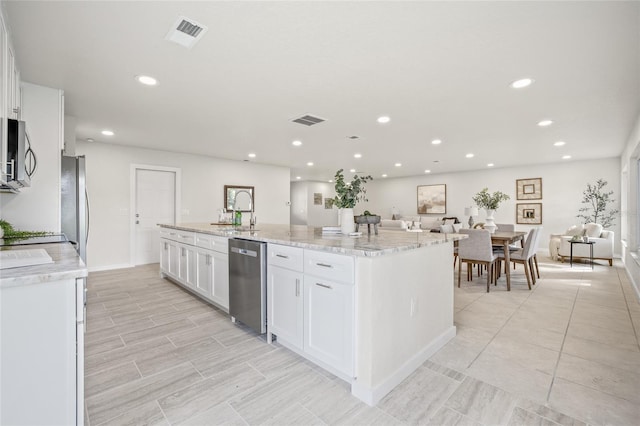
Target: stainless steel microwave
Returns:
[[21, 161]]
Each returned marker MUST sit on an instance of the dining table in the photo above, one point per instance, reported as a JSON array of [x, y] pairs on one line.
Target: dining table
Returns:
[[506, 238]]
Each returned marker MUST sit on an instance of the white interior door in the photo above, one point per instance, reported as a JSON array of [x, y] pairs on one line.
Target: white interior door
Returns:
[[155, 202]]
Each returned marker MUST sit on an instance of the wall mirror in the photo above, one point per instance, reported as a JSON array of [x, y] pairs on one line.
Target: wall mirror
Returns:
[[243, 201]]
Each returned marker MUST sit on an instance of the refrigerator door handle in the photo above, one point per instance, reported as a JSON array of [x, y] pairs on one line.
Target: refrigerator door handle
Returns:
[[86, 202]]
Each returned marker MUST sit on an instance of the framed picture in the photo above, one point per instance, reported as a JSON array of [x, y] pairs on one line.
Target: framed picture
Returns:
[[328, 203], [432, 199], [529, 214], [317, 198], [529, 189], [240, 195]]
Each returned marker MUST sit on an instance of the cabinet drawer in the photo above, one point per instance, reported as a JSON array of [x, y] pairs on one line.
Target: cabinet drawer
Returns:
[[328, 265], [184, 237], [285, 257], [170, 234], [212, 242]]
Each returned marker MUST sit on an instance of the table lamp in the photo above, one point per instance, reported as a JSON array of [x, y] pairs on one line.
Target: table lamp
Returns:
[[471, 212]]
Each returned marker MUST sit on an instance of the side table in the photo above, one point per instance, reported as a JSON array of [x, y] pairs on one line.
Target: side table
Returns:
[[590, 243]]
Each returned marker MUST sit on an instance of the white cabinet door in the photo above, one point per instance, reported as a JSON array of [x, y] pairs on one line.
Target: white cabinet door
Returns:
[[204, 278], [187, 265], [328, 320], [221, 279], [284, 306], [164, 255], [174, 258]]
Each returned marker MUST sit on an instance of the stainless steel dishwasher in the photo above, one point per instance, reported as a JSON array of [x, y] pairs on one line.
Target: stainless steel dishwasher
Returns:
[[248, 283]]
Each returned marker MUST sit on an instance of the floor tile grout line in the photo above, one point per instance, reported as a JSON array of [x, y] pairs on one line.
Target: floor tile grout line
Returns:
[[564, 338], [499, 330], [162, 411], [237, 413]]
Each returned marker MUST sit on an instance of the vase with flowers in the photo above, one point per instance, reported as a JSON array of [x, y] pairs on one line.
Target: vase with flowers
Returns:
[[489, 202], [347, 195]]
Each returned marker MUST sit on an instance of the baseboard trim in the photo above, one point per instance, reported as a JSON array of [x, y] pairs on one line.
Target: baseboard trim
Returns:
[[372, 396]]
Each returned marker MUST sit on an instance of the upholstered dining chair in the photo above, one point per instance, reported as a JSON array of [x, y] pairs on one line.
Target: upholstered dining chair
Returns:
[[523, 256], [476, 250]]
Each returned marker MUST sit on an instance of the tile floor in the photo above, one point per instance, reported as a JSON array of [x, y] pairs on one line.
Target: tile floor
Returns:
[[565, 353]]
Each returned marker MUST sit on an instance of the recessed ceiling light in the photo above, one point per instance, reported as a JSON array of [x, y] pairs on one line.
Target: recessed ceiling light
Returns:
[[107, 133], [559, 143], [384, 175], [427, 171], [566, 157], [398, 164], [384, 119], [298, 177], [357, 155], [310, 163], [469, 155], [490, 165], [296, 143], [252, 155], [436, 142], [352, 170], [523, 82], [146, 80], [545, 123], [89, 139]]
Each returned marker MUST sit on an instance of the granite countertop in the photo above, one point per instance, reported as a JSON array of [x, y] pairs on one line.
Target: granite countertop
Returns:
[[67, 265], [386, 242]]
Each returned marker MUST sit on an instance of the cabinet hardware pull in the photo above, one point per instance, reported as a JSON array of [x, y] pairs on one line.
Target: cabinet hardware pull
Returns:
[[282, 256], [324, 265], [165, 246], [297, 287], [325, 286]]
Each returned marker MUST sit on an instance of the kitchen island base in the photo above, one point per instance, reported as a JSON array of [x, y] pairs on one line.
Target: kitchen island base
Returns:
[[402, 314]]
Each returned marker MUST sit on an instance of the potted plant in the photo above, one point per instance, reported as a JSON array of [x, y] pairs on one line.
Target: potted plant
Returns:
[[489, 202], [347, 195]]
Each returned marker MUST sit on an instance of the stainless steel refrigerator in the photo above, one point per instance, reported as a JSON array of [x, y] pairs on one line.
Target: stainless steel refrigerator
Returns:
[[74, 203]]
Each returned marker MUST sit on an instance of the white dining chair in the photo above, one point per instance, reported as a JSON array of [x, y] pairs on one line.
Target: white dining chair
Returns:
[[523, 256], [477, 250]]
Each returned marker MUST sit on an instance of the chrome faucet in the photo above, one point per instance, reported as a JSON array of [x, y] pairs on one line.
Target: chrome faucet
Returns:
[[252, 219]]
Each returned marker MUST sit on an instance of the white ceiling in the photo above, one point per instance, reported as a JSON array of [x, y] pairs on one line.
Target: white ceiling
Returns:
[[438, 69]]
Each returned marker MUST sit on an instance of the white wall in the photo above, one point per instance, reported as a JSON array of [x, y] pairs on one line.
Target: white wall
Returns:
[[203, 179], [562, 187], [303, 209], [37, 208]]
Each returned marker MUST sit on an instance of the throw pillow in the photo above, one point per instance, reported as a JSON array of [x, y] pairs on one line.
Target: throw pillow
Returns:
[[575, 230], [449, 221], [446, 229], [593, 230]]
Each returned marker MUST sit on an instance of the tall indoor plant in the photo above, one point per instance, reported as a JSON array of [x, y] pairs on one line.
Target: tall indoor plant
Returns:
[[596, 201], [489, 202], [347, 195]]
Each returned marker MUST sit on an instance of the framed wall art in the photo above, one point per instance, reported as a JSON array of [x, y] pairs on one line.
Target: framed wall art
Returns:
[[529, 214], [529, 189], [432, 199], [317, 198]]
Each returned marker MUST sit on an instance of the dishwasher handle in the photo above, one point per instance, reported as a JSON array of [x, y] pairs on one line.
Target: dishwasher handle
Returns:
[[244, 252]]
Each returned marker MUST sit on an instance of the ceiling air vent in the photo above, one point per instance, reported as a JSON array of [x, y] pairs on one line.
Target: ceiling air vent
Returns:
[[308, 120], [186, 32]]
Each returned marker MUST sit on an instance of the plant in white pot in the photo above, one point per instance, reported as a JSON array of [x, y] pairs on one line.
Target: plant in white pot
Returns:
[[347, 195], [489, 202]]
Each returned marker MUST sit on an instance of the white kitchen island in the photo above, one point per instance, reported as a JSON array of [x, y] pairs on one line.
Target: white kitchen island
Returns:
[[370, 309]]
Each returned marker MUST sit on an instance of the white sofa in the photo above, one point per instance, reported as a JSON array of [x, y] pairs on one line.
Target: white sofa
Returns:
[[560, 248], [426, 223]]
